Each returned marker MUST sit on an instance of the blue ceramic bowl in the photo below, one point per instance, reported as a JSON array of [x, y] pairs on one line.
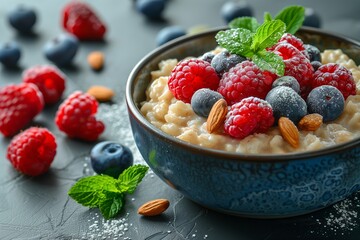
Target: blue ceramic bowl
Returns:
[[259, 186]]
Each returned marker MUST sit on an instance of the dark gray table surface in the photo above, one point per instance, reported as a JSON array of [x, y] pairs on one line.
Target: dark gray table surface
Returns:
[[39, 208]]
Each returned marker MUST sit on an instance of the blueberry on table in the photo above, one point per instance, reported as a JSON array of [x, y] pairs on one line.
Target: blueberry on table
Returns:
[[169, 33], [151, 8], [203, 100], [231, 10], [62, 49], [223, 61], [312, 19], [10, 54], [287, 81], [110, 158], [22, 19]]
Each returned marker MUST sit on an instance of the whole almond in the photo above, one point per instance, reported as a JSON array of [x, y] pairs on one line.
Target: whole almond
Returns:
[[154, 207], [101, 93], [96, 60], [310, 122], [217, 115], [289, 131]]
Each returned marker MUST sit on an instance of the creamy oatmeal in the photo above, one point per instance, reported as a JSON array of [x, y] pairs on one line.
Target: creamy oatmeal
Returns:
[[177, 118]]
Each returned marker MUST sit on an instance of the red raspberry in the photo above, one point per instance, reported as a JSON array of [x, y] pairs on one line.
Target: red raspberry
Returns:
[[292, 40], [250, 115], [49, 79], [191, 75], [76, 117], [296, 65], [19, 104], [337, 76], [245, 80], [32, 151], [80, 19]]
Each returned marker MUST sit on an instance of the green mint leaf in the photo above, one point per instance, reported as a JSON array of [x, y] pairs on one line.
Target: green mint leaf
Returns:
[[111, 205], [130, 178], [269, 61], [249, 23], [89, 191], [267, 17], [267, 35], [237, 41], [293, 17]]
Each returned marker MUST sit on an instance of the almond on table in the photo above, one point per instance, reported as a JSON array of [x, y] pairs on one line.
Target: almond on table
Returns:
[[154, 207], [101, 93], [96, 60]]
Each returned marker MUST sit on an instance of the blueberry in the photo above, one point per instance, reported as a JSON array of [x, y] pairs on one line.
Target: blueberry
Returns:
[[203, 100], [288, 81], [313, 52], [223, 61], [231, 10], [208, 57], [110, 158], [327, 101], [10, 54], [285, 102], [169, 33], [312, 19], [151, 8], [62, 49], [22, 19], [316, 65]]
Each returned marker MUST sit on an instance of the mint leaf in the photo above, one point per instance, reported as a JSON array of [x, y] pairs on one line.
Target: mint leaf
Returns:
[[249, 23], [111, 205], [130, 178], [293, 17], [269, 61], [236, 41], [267, 17], [267, 35]]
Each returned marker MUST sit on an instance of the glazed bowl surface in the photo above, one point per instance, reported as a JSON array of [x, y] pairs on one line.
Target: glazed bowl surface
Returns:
[[258, 186]]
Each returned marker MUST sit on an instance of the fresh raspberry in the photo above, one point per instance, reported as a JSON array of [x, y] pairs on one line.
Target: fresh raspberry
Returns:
[[250, 115], [81, 20], [19, 104], [76, 117], [292, 40], [190, 75], [296, 65], [32, 151], [337, 76], [245, 80], [49, 79]]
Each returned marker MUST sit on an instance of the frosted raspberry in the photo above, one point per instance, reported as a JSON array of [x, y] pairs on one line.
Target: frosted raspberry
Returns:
[[337, 76], [245, 80], [292, 40], [250, 115], [190, 75]]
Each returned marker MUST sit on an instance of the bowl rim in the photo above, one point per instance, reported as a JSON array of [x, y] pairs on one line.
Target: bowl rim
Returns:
[[232, 156]]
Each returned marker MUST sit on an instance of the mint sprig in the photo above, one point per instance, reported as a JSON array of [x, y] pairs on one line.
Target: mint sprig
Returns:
[[105, 192], [249, 23], [293, 17]]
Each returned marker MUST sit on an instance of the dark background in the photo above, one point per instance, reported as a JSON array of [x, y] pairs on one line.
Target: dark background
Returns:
[[39, 208]]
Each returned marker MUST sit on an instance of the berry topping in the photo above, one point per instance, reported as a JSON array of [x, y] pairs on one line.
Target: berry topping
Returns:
[[313, 52], [250, 115], [152, 9], [62, 49], [335, 75], [169, 33], [208, 57], [316, 65], [245, 80], [22, 19], [49, 79], [110, 158], [234, 9], [285, 102], [79, 18], [190, 75], [287, 81], [203, 100], [76, 117], [292, 40], [223, 61], [10, 54], [32, 151], [327, 101], [19, 104]]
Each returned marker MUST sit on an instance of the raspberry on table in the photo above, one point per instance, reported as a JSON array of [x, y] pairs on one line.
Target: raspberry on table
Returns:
[[335, 75], [250, 115], [49, 79], [244, 80], [19, 104], [76, 117], [32, 151], [190, 75]]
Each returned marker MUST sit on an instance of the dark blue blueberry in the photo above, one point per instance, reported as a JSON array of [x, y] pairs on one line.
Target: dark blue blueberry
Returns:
[[110, 158], [208, 57], [169, 33], [151, 8], [62, 49], [234, 9], [285, 102], [22, 19], [10, 54], [223, 61], [327, 101], [313, 52], [312, 19], [203, 100], [316, 65], [287, 81]]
